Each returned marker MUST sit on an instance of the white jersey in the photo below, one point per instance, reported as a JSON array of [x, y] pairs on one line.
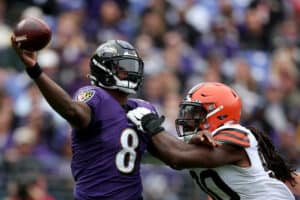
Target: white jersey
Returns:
[[231, 182]]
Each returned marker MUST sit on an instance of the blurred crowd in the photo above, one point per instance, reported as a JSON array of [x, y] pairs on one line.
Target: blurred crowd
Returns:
[[252, 45]]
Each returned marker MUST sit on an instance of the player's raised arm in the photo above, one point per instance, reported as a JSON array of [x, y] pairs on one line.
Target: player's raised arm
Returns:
[[78, 114]]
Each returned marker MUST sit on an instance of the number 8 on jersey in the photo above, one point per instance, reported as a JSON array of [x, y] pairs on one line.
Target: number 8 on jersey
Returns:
[[125, 159]]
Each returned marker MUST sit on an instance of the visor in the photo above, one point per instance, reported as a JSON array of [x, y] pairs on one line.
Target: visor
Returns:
[[128, 73], [189, 118], [129, 65]]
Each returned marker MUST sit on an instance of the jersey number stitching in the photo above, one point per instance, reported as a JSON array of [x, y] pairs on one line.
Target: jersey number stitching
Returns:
[[220, 188], [125, 159]]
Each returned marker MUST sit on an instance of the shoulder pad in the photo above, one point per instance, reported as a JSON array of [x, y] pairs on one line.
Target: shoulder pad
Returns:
[[142, 103], [233, 136], [139, 101]]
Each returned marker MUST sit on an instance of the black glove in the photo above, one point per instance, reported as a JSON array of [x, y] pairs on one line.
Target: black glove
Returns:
[[145, 120], [151, 123]]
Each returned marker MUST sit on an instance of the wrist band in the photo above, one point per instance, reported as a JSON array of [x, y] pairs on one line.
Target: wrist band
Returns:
[[35, 71]]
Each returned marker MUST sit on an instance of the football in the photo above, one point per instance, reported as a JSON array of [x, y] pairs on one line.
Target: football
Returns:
[[32, 34]]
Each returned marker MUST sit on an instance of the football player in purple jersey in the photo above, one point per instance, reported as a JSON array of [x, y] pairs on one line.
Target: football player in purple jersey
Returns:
[[106, 148]]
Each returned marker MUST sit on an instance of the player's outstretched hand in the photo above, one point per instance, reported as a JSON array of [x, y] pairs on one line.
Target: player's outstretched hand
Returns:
[[204, 138], [146, 121], [27, 57]]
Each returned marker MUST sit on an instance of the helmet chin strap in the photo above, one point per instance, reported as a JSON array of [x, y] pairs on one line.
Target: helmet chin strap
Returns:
[[125, 85], [187, 137], [191, 132]]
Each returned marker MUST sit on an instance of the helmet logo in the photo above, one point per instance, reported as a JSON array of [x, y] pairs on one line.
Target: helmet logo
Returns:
[[131, 53], [107, 49], [211, 107], [195, 101]]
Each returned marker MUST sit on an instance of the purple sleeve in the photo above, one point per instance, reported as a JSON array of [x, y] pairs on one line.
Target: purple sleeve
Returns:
[[89, 95]]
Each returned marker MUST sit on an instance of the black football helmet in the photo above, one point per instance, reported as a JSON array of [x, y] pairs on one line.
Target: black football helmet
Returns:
[[117, 65]]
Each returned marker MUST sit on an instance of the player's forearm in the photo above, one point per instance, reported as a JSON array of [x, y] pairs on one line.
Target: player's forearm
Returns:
[[172, 151], [60, 100], [54, 94], [180, 155]]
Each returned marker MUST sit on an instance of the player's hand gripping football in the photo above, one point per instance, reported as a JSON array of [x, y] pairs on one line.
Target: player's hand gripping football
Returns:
[[27, 57], [146, 121]]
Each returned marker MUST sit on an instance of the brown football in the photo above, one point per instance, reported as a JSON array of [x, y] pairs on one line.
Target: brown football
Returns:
[[32, 34]]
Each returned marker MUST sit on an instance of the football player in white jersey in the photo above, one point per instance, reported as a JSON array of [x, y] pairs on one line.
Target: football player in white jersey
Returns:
[[246, 166]]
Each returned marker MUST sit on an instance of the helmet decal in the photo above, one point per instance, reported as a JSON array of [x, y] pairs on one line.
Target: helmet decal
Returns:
[[106, 50], [132, 53]]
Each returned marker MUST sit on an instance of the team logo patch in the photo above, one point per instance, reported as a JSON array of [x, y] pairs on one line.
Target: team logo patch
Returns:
[[85, 95], [107, 49]]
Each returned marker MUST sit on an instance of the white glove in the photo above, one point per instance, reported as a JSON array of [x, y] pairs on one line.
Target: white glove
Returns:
[[136, 115]]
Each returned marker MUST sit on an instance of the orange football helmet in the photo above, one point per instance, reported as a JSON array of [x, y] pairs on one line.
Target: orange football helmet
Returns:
[[208, 106]]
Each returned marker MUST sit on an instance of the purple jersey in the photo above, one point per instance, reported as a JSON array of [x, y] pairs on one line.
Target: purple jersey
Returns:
[[107, 155]]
